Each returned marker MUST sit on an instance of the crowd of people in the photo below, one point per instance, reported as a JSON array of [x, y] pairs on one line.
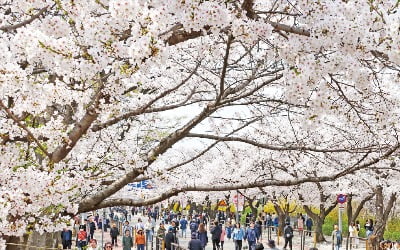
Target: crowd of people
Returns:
[[201, 228]]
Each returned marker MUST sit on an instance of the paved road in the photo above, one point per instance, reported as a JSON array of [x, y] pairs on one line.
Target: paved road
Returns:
[[228, 244]]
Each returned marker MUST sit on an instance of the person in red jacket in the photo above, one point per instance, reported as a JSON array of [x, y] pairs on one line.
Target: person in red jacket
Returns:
[[82, 236], [140, 240]]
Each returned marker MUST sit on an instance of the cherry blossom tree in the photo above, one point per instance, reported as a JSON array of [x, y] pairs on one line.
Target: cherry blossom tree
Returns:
[[192, 95]]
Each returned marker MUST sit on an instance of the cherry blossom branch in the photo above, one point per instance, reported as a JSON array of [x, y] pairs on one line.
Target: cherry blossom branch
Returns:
[[224, 67], [89, 203], [21, 125], [143, 109], [272, 147], [8, 28], [290, 29], [80, 127], [202, 152], [163, 146], [235, 186]]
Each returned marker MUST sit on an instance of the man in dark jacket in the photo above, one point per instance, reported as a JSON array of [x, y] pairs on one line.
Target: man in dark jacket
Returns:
[[309, 224], [288, 235], [216, 232], [194, 243], [92, 228], [170, 238], [66, 237], [114, 234]]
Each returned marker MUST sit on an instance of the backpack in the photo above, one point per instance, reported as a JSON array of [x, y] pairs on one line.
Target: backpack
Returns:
[[82, 236], [339, 237], [193, 226], [259, 246], [288, 232]]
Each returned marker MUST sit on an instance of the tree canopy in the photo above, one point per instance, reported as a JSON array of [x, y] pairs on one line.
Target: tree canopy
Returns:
[[193, 95]]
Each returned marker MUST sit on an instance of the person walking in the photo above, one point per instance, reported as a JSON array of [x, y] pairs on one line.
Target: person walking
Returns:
[[193, 226], [276, 223], [229, 230], [216, 235], [195, 243], [92, 227], [352, 234], [66, 238], [288, 235], [183, 222], [140, 241], [238, 235], [222, 238], [139, 225], [309, 225], [251, 236], [369, 227], [300, 223], [82, 238], [148, 230], [127, 227], [160, 234], [258, 229], [170, 238], [202, 235], [114, 234], [336, 237]]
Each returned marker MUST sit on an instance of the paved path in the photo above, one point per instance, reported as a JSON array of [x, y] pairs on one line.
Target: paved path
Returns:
[[228, 244]]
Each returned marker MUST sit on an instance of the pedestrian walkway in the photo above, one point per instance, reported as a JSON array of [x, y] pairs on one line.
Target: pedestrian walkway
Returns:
[[228, 244]]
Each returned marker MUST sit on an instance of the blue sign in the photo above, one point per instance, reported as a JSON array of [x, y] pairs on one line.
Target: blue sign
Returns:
[[141, 185], [341, 198]]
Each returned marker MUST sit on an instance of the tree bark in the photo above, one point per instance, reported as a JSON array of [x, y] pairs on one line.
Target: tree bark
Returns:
[[282, 215], [382, 212], [319, 219], [351, 217]]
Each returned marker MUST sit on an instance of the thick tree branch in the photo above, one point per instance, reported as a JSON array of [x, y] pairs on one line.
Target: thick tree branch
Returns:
[[8, 28], [274, 147], [89, 206], [389, 206], [80, 127], [361, 205], [290, 29], [166, 143], [90, 202], [224, 67]]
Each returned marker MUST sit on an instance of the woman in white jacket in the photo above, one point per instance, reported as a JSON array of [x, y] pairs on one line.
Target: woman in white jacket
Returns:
[[353, 234]]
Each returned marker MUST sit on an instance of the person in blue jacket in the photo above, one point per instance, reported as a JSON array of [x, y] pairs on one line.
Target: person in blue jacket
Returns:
[[238, 235], [183, 222], [66, 237]]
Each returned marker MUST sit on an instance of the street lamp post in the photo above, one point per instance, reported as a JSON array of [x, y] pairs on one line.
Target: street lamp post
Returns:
[[102, 226], [237, 206]]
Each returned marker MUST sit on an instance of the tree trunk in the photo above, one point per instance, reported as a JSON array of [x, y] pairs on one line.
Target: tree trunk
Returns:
[[281, 217], [318, 229], [352, 217], [382, 212]]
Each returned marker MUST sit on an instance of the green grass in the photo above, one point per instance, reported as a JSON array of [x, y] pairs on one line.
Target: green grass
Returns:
[[392, 231]]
